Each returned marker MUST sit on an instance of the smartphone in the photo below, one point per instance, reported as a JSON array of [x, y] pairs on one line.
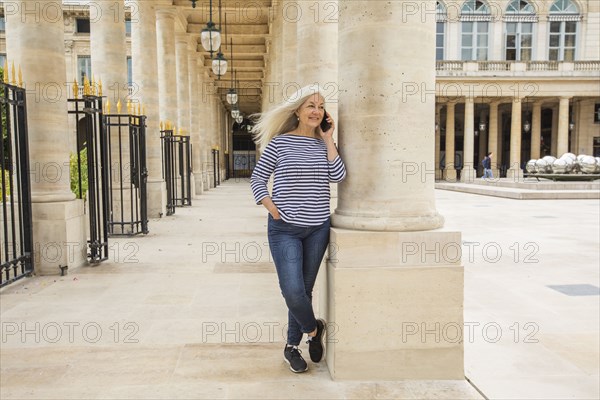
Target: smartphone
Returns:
[[325, 126]]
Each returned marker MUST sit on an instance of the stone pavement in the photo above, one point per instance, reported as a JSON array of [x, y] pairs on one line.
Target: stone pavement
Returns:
[[193, 311]]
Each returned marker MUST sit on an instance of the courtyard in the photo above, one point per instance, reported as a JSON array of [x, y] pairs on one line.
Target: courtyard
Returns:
[[193, 311]]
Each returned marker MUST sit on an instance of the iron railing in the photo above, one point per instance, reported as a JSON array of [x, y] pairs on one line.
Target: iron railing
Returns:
[[177, 169], [128, 200], [16, 237], [92, 172]]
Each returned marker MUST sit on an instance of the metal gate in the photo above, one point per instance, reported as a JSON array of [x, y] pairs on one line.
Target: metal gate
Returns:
[[16, 243], [177, 169], [92, 175], [128, 175]]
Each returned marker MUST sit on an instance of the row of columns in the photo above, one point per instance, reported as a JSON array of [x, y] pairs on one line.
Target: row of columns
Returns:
[[515, 171], [169, 79], [301, 51]]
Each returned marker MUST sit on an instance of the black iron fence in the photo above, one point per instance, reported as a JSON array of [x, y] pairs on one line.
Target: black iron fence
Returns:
[[216, 169], [16, 237], [177, 169], [128, 175], [91, 174]]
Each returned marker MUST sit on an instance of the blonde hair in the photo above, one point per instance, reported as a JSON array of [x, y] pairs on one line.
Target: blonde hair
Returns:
[[282, 118]]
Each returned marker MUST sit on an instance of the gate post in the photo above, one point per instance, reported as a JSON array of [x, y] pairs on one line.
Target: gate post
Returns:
[[37, 44]]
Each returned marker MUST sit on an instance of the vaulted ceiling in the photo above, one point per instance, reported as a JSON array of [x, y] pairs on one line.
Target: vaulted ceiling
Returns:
[[245, 37]]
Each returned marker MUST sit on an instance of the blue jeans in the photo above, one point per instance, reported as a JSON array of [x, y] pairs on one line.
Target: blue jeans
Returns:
[[297, 252], [487, 173]]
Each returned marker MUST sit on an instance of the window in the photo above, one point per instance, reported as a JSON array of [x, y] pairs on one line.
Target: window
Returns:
[[2, 60], [441, 18], [518, 41], [475, 17], [597, 146], [518, 38], [2, 23], [474, 41], [596, 111], [83, 25], [129, 71], [564, 23], [84, 68], [128, 27]]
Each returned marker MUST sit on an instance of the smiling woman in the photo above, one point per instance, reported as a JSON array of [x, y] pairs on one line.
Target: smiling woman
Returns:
[[304, 160]]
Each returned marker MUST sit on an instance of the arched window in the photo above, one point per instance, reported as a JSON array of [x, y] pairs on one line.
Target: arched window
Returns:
[[475, 17], [475, 7], [564, 7], [518, 37], [564, 23], [520, 7], [441, 17]]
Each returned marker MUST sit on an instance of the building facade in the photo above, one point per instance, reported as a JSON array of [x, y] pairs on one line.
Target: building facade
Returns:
[[536, 61]]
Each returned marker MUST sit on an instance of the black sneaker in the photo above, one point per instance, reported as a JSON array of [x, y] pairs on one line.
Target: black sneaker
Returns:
[[315, 343], [292, 356]]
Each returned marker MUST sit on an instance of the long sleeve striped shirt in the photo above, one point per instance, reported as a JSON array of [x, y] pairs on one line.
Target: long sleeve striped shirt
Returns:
[[302, 176]]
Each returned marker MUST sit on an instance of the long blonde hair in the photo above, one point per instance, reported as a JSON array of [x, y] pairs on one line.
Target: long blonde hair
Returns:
[[282, 118]]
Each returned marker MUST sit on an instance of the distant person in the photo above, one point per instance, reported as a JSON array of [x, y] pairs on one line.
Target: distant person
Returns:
[[487, 166], [300, 152]]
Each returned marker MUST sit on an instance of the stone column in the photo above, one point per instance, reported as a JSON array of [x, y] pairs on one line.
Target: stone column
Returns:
[[387, 205], [108, 49], [109, 64], [562, 144], [493, 138], [207, 116], [515, 172], [279, 49], [450, 164], [167, 73], [317, 59], [145, 67], [554, 132], [468, 172], [37, 46], [291, 15], [195, 117], [438, 171], [202, 110], [536, 129], [183, 83]]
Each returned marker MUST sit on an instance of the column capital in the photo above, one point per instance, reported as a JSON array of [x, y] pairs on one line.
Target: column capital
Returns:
[[563, 98], [469, 99], [164, 12]]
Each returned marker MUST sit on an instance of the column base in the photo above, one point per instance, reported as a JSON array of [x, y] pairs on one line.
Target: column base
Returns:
[[198, 184], [468, 175], [59, 236], [450, 175], [395, 306], [192, 186], [515, 174], [438, 175], [354, 221], [157, 199]]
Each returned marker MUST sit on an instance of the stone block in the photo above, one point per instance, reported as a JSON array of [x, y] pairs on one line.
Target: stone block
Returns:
[[395, 305]]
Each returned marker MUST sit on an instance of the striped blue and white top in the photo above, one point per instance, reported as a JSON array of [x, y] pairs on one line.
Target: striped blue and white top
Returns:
[[302, 175]]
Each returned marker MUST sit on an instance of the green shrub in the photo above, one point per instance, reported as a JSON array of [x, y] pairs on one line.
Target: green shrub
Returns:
[[75, 175]]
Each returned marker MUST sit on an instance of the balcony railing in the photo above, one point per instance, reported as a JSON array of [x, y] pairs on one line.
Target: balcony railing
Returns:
[[494, 65], [515, 68], [587, 65], [542, 65]]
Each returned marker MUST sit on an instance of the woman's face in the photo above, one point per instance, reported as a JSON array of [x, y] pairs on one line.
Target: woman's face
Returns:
[[311, 112]]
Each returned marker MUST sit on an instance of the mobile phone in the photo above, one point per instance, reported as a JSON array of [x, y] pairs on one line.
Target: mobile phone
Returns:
[[325, 126]]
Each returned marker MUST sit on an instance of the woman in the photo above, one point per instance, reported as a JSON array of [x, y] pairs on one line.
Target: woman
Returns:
[[304, 160]]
